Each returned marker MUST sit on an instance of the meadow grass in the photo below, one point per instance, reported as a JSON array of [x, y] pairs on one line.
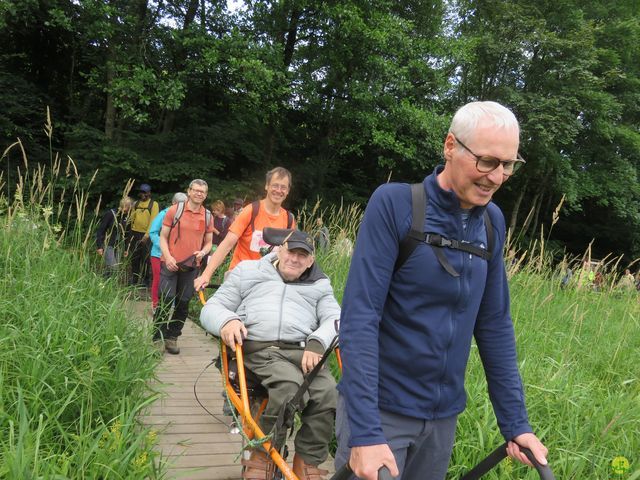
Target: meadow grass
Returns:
[[74, 361], [73, 365]]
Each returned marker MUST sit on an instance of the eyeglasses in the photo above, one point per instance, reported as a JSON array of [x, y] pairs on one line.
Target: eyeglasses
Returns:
[[279, 187], [486, 164], [199, 192]]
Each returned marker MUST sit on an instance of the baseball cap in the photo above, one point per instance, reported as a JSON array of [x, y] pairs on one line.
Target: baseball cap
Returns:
[[298, 239], [288, 238], [145, 187]]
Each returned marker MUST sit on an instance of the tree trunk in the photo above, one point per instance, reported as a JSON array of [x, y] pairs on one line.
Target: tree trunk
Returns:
[[291, 37], [527, 221], [288, 39], [169, 116], [110, 110], [536, 214], [516, 208]]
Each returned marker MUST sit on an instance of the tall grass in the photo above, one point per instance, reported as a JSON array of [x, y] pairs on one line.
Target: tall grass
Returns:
[[74, 362]]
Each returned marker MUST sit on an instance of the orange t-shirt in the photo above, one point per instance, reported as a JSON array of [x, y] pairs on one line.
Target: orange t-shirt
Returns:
[[187, 236], [250, 241]]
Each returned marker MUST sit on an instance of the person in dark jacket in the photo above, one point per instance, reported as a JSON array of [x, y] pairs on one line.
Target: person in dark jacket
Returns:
[[112, 235], [406, 334]]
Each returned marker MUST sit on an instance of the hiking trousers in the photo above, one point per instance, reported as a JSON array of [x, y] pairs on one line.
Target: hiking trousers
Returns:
[[139, 258], [281, 374], [176, 289], [422, 448]]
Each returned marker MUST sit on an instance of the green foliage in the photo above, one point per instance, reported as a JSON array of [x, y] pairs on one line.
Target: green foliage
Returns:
[[345, 94], [577, 353], [73, 364]]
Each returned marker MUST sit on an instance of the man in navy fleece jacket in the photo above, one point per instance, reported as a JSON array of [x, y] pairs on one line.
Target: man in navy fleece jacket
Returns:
[[405, 335]]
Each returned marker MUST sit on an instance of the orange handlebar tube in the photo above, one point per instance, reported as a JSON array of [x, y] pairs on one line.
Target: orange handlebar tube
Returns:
[[241, 403]]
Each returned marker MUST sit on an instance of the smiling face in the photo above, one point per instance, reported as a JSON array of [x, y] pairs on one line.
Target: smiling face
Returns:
[[460, 174], [197, 194], [293, 263], [277, 189]]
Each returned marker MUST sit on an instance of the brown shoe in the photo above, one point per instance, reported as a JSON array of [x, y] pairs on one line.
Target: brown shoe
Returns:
[[171, 346], [258, 467], [304, 471]]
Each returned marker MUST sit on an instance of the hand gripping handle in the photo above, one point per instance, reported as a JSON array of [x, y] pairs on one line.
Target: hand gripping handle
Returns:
[[543, 470], [495, 457], [345, 473]]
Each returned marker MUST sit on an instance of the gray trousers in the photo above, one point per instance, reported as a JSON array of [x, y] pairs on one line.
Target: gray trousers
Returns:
[[176, 290], [422, 448], [280, 372]]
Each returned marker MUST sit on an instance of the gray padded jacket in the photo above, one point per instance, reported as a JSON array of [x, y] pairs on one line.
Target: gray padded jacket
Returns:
[[272, 309]]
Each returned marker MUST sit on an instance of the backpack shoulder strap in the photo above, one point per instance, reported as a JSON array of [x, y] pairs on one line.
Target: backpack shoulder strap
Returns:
[[416, 235], [255, 208], [416, 232], [208, 217], [489, 226], [289, 219], [178, 215]]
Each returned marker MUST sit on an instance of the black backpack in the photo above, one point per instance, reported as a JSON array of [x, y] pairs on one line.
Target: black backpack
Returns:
[[417, 235], [148, 207]]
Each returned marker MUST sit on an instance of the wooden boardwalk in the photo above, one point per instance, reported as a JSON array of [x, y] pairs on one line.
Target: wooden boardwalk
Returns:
[[193, 443]]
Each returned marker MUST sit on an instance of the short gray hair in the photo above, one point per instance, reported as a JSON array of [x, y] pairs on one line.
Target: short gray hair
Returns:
[[179, 197], [279, 172], [466, 119], [199, 181]]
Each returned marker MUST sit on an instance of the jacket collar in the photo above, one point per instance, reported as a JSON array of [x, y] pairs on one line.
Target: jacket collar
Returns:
[[446, 199]]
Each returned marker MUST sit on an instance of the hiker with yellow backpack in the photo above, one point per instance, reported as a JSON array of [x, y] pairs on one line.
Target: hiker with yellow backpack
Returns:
[[143, 212]]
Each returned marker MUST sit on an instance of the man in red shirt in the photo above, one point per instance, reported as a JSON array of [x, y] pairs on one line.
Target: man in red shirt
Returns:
[[245, 232], [185, 238]]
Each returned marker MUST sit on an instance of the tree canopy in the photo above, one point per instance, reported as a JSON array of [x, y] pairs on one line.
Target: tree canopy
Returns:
[[346, 94]]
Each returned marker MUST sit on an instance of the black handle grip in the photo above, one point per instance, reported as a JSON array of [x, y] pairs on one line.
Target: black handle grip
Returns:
[[384, 474], [543, 470], [345, 473]]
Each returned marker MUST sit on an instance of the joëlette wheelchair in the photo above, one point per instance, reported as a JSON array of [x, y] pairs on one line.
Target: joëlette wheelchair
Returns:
[[249, 398]]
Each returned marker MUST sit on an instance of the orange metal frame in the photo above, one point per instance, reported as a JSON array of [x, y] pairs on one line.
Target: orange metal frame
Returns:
[[242, 405]]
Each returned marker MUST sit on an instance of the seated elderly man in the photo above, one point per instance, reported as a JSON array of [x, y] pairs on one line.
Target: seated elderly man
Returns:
[[282, 310]]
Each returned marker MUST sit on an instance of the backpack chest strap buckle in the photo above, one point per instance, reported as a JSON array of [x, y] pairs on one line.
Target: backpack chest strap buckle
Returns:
[[438, 240]]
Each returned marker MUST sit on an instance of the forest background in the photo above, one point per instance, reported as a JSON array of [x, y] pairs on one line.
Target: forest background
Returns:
[[344, 93]]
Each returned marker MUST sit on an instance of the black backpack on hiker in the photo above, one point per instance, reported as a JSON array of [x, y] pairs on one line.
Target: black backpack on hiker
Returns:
[[417, 235]]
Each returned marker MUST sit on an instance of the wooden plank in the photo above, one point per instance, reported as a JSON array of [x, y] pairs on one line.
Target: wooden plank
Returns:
[[194, 444]]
